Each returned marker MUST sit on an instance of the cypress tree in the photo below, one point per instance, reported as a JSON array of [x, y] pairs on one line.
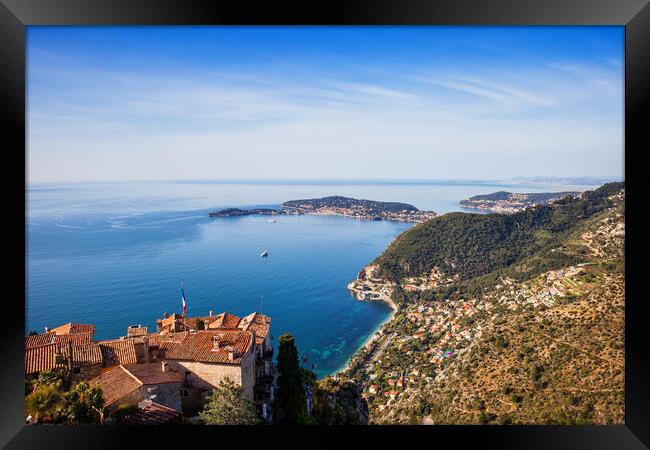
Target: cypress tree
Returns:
[[291, 401]]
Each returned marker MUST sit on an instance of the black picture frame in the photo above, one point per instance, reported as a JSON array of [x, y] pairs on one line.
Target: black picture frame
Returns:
[[15, 15]]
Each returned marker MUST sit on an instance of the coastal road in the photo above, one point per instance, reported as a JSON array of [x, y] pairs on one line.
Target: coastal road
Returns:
[[376, 352]]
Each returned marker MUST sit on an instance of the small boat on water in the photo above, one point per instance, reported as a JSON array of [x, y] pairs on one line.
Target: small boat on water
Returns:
[[271, 221], [264, 254]]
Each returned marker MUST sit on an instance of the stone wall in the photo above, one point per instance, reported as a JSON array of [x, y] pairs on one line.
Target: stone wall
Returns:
[[167, 394], [208, 375]]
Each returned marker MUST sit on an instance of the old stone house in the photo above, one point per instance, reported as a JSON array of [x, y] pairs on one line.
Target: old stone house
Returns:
[[134, 383]]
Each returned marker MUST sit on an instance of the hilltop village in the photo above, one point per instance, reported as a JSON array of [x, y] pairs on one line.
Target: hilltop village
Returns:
[[167, 373]]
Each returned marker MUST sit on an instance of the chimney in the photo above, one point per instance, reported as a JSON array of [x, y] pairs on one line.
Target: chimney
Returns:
[[166, 315], [216, 344], [231, 353], [47, 330], [163, 366], [210, 313]]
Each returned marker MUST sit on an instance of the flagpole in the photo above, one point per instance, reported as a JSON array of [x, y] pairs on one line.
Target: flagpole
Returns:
[[183, 297]]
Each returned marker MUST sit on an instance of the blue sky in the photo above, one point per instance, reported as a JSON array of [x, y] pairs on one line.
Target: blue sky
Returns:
[[152, 103]]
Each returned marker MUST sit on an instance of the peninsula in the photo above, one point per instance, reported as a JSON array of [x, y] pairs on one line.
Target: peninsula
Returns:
[[339, 206], [509, 202]]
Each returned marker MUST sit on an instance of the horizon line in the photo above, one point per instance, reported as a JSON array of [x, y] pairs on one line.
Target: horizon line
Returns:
[[339, 180]]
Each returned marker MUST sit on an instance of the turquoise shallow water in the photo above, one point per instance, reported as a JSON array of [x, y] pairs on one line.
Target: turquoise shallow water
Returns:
[[113, 255]]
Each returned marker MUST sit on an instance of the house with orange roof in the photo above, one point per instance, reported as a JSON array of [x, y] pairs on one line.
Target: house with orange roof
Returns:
[[134, 383], [73, 328], [205, 355]]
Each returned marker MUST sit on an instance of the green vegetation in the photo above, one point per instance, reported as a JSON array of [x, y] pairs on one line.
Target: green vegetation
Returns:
[[291, 402], [49, 403], [475, 245], [337, 402], [122, 411], [228, 405]]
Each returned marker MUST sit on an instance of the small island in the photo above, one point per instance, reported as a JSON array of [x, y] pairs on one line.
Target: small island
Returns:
[[339, 206], [509, 202]]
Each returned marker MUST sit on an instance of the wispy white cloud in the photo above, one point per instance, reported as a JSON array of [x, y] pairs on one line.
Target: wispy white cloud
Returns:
[[419, 123]]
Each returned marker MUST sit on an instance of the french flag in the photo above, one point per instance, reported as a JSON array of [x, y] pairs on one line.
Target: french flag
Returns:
[[183, 298]]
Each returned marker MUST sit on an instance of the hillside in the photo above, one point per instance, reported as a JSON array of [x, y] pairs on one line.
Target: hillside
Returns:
[[370, 206], [472, 245], [537, 341]]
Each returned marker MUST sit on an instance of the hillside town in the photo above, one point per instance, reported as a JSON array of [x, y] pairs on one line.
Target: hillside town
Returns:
[[165, 373], [510, 202], [427, 342]]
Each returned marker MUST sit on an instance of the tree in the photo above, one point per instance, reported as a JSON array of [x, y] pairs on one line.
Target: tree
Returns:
[[45, 404], [51, 377], [291, 400], [85, 404], [200, 325], [229, 405]]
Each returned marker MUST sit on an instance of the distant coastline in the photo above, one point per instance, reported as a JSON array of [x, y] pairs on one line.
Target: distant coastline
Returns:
[[338, 206], [508, 202]]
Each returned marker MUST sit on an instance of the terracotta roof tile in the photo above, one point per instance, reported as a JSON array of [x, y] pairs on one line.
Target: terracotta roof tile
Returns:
[[86, 355], [74, 339], [258, 323], [74, 328], [199, 346], [41, 358], [119, 351], [152, 373], [38, 340], [152, 414], [225, 320], [115, 384]]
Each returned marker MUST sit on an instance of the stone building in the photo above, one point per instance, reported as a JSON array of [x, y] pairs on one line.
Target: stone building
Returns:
[[229, 347], [134, 383]]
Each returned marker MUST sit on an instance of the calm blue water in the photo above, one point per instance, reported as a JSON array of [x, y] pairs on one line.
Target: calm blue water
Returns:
[[114, 254]]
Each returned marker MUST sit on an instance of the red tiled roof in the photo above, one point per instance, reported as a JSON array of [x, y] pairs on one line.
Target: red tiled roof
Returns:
[[41, 358], [115, 384], [74, 339], [153, 414], [155, 339], [151, 373], [122, 380], [199, 346], [74, 328], [258, 323], [38, 340], [120, 351], [86, 355], [225, 320]]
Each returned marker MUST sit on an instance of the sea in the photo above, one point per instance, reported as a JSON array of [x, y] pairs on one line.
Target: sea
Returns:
[[114, 255]]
